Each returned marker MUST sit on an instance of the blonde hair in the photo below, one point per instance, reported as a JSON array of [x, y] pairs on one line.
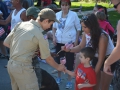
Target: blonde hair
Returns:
[[100, 15]]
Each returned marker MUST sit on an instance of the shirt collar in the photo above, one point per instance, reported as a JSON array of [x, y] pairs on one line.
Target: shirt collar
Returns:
[[38, 25]]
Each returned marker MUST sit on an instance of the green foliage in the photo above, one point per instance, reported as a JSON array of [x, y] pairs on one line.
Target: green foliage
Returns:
[[107, 1], [113, 18], [86, 6]]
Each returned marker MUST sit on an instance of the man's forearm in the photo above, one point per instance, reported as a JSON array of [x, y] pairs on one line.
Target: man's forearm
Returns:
[[52, 62]]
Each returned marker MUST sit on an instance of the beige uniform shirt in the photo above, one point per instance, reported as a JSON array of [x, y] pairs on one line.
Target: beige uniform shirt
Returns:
[[25, 40]]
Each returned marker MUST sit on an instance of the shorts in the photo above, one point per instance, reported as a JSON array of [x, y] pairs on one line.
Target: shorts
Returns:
[[2, 38], [69, 57], [95, 60], [116, 78]]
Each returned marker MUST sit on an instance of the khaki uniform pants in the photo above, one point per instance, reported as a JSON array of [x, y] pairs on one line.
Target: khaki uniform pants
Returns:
[[22, 76]]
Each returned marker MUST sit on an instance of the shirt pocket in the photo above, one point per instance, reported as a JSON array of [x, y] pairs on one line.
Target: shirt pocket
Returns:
[[16, 70], [28, 69]]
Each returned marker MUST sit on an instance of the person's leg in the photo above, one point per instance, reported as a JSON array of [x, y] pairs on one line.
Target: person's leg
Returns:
[[98, 75], [25, 76], [77, 61], [61, 54], [13, 82], [69, 65], [116, 78], [50, 35], [3, 49], [98, 78], [36, 65], [105, 81]]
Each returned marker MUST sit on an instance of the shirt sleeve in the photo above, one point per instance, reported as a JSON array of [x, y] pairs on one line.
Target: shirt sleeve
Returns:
[[77, 23], [92, 77], [44, 46], [9, 37]]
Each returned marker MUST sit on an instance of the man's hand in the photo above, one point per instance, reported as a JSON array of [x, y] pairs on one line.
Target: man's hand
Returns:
[[107, 69], [61, 68]]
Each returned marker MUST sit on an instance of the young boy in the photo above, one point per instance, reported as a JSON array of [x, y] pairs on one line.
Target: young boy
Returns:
[[85, 75]]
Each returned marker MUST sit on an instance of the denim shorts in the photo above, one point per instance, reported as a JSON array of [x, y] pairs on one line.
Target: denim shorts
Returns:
[[95, 60]]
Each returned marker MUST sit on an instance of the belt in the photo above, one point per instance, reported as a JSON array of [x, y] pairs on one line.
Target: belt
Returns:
[[20, 63]]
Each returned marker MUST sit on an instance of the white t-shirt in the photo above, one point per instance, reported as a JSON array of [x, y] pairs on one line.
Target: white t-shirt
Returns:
[[110, 46], [16, 18]]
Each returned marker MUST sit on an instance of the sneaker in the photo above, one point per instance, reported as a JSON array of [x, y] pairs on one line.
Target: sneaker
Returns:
[[58, 81], [68, 85]]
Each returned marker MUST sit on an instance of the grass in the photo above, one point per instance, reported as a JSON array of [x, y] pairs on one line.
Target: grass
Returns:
[[113, 18], [86, 6]]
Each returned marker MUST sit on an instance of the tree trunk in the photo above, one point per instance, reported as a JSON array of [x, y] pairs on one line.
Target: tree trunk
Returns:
[[96, 1]]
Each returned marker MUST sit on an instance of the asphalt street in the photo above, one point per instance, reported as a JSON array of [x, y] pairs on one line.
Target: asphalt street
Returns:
[[5, 80]]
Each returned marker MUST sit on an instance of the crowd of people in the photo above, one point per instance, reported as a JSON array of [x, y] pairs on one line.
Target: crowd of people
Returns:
[[92, 61]]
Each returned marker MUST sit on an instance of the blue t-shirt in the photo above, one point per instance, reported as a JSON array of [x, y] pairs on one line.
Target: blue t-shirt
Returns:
[[4, 9]]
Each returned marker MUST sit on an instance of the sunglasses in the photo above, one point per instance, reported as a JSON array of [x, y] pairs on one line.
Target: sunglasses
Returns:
[[84, 18], [115, 6]]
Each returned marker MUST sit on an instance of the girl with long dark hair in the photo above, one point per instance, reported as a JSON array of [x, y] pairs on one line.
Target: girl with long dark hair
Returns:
[[97, 38]]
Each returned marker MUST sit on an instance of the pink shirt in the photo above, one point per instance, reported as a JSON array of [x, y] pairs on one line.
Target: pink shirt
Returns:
[[106, 26]]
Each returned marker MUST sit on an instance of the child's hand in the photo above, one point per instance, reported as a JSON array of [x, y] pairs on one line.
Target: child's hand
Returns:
[[80, 86], [65, 70]]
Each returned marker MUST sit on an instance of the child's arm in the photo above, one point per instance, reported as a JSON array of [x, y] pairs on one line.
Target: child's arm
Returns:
[[85, 85], [70, 73]]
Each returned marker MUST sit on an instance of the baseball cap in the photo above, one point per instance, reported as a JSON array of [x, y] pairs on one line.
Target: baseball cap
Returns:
[[32, 11], [48, 13]]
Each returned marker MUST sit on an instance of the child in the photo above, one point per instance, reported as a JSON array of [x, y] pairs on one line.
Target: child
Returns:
[[103, 23], [85, 75]]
